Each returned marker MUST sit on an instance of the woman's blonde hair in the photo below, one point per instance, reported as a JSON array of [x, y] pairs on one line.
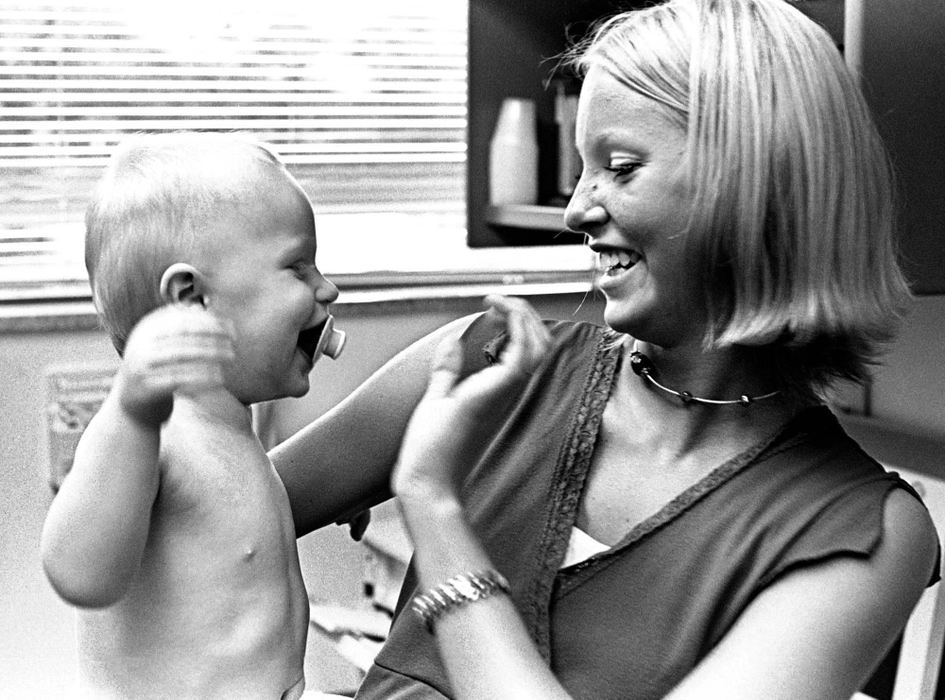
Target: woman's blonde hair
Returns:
[[793, 215], [150, 208]]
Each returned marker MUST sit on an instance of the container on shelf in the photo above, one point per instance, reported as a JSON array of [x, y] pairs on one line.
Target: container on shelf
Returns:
[[513, 154]]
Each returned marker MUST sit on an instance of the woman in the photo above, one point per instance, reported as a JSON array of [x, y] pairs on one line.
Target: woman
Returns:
[[663, 507]]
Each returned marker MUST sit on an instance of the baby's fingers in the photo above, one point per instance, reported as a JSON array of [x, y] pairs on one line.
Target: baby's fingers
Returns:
[[178, 348], [191, 365]]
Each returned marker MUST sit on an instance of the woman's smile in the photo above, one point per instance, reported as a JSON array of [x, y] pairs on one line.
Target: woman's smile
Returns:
[[615, 264]]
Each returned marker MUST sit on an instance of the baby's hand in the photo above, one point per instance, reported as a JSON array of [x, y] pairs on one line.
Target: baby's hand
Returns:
[[173, 348], [453, 420]]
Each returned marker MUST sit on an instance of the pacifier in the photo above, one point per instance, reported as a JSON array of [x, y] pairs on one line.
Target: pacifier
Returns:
[[331, 341]]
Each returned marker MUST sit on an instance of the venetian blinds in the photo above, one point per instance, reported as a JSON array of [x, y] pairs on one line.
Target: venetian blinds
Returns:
[[365, 102]]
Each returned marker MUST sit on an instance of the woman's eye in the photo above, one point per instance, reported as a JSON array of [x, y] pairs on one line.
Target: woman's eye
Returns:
[[623, 168]]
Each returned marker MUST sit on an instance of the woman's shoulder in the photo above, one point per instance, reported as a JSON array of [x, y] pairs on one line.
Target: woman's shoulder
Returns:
[[484, 339], [814, 460], [823, 495]]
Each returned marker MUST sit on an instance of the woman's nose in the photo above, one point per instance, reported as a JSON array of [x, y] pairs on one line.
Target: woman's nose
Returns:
[[584, 211]]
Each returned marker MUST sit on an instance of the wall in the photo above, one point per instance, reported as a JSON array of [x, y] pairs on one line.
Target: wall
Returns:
[[36, 642], [36, 645], [909, 390]]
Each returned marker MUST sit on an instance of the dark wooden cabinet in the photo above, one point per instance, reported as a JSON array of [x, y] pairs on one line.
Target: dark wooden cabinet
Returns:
[[513, 52]]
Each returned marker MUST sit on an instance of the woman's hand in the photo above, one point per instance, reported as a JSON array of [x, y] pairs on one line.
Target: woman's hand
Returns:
[[453, 419], [173, 348]]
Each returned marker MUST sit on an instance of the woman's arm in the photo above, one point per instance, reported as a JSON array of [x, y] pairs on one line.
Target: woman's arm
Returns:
[[485, 647], [341, 462]]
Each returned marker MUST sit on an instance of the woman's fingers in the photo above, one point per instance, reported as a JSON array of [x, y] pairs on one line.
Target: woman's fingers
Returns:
[[447, 361], [455, 418], [528, 337], [527, 345], [357, 523]]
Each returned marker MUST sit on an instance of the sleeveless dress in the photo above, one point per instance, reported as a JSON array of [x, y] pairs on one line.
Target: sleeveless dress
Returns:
[[631, 622]]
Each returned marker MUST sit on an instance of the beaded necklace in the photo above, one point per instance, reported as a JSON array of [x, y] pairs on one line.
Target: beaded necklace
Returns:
[[643, 366]]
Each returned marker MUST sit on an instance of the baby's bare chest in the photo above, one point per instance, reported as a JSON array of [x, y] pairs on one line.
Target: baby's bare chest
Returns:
[[212, 470], [221, 512], [218, 597]]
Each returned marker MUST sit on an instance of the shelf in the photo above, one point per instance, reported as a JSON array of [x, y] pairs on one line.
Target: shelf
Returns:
[[530, 216]]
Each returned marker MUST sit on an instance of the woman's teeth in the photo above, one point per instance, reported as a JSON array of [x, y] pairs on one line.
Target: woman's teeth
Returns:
[[613, 260]]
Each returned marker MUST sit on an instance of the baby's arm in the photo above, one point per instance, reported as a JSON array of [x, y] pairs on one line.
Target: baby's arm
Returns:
[[97, 526]]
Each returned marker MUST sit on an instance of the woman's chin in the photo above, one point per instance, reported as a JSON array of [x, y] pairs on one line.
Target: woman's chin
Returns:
[[619, 316]]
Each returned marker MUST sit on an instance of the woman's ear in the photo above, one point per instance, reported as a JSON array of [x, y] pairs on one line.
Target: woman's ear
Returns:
[[182, 284]]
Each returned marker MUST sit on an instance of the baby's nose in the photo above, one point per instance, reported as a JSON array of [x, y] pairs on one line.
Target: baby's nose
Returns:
[[325, 291]]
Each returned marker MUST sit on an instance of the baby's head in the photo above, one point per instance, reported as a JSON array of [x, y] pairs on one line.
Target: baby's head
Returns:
[[152, 208], [215, 220]]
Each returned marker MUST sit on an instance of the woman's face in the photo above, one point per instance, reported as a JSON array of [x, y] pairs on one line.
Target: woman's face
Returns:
[[633, 202]]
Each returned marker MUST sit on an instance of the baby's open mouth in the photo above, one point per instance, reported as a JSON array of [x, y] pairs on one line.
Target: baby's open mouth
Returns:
[[323, 339], [308, 340], [613, 261]]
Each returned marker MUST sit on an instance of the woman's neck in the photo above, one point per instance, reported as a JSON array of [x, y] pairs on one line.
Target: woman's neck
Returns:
[[676, 425], [719, 375]]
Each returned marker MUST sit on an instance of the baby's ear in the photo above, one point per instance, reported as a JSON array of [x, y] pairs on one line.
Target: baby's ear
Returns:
[[182, 284]]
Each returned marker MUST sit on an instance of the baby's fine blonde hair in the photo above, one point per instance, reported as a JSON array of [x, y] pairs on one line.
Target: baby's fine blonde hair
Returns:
[[150, 207]]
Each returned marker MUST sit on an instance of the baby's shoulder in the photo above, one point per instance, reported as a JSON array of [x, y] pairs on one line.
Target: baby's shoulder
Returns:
[[202, 465]]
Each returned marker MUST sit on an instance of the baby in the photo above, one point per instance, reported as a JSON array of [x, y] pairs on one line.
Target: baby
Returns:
[[172, 533]]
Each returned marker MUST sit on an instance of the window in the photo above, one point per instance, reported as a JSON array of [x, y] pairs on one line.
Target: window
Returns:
[[365, 100]]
